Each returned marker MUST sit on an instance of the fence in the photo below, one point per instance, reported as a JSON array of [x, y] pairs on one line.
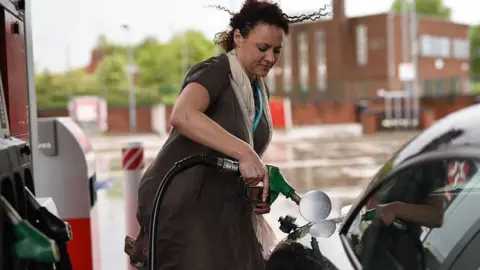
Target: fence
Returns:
[[368, 89]]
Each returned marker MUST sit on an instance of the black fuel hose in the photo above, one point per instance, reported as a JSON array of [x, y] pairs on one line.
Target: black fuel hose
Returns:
[[222, 164]]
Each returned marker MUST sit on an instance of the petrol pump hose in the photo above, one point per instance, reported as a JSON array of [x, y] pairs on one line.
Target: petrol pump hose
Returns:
[[223, 164]]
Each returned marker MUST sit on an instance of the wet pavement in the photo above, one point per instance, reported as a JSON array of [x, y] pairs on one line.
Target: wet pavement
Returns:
[[339, 166]]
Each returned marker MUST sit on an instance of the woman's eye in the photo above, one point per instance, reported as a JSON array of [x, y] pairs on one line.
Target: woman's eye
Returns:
[[277, 51], [262, 49]]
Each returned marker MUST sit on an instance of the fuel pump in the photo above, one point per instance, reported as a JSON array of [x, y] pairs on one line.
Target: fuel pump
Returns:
[[24, 243]]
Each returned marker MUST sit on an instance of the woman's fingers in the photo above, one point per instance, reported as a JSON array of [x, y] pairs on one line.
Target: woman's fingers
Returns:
[[262, 208], [266, 188]]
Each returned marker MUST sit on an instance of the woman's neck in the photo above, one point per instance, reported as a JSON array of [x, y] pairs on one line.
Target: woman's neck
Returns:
[[251, 76]]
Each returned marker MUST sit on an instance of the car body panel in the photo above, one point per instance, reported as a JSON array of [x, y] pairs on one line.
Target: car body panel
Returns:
[[458, 135]]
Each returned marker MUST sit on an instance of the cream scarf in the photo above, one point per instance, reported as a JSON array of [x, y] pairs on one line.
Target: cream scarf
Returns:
[[243, 91]]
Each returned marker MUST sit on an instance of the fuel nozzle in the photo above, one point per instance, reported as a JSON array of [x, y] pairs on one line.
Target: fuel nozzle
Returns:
[[51, 225], [32, 244], [280, 185]]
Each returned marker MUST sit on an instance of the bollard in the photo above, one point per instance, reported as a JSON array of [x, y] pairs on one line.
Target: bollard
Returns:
[[132, 164]]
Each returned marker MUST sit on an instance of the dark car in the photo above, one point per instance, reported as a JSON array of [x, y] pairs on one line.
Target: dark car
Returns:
[[422, 209]]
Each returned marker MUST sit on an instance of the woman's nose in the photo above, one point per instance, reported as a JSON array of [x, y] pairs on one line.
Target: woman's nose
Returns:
[[270, 56]]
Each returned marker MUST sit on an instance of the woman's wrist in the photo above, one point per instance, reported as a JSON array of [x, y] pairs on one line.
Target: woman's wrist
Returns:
[[240, 150]]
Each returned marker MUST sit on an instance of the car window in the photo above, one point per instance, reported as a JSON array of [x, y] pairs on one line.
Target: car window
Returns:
[[419, 217]]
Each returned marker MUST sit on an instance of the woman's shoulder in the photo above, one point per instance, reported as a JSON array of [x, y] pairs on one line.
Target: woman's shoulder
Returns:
[[217, 63], [212, 73]]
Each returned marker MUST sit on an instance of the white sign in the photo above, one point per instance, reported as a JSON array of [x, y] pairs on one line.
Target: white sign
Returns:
[[406, 72], [86, 110]]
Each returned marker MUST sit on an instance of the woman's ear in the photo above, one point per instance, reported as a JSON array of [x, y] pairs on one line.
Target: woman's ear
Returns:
[[237, 38]]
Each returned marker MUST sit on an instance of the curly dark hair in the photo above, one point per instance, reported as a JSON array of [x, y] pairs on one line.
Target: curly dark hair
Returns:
[[256, 11]]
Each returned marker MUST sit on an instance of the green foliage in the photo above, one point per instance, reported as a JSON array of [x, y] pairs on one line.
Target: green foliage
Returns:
[[160, 70], [432, 8], [476, 88], [475, 50]]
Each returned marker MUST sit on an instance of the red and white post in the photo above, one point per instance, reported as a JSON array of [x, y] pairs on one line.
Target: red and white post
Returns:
[[133, 163]]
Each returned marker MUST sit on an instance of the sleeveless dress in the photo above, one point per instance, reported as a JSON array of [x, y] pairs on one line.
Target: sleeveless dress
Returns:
[[204, 222]]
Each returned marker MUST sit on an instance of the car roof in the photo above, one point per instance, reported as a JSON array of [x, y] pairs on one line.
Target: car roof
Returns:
[[456, 130]]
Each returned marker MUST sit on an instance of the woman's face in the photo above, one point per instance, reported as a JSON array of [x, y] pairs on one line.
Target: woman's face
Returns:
[[259, 51]]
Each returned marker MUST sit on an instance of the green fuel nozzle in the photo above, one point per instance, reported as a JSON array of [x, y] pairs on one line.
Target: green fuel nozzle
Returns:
[[278, 185], [49, 224], [32, 244], [370, 215]]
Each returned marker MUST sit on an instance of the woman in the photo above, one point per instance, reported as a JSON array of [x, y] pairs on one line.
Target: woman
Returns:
[[204, 221]]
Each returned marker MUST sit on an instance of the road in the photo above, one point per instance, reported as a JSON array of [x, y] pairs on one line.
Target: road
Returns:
[[339, 166]]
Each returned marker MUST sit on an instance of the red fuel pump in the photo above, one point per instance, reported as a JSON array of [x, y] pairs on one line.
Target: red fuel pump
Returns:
[[32, 236]]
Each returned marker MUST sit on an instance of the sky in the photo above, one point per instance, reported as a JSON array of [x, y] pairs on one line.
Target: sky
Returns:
[[65, 31]]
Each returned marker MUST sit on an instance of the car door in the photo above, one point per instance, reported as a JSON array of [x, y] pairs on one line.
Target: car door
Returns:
[[420, 216], [469, 259]]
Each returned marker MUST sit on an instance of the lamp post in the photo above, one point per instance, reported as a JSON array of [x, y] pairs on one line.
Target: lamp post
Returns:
[[414, 53], [131, 83], [407, 85]]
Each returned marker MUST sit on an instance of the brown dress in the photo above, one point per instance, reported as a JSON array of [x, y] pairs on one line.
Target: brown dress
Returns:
[[204, 221]]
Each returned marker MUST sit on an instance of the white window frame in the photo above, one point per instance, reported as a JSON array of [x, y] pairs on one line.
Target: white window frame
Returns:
[[321, 60], [435, 46], [361, 38], [461, 49], [302, 41]]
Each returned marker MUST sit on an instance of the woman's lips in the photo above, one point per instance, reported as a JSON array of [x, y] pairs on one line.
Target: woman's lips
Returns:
[[265, 67]]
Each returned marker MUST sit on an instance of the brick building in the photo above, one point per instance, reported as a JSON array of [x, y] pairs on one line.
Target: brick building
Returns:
[[342, 57]]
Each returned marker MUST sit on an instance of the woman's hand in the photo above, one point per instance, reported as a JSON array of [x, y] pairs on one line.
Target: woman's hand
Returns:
[[253, 171], [262, 208], [388, 212]]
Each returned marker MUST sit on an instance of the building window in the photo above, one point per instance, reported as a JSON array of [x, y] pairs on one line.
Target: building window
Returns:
[[426, 46], [461, 49], [321, 61], [435, 46], [303, 60], [444, 47], [362, 44], [270, 80], [287, 65]]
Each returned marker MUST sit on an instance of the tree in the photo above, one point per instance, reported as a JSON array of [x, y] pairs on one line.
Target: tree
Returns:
[[159, 65], [475, 50], [112, 73], [54, 90], [108, 47], [79, 82], [433, 8]]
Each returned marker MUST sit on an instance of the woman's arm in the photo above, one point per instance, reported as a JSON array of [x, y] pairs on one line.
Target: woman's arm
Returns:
[[429, 215], [189, 119]]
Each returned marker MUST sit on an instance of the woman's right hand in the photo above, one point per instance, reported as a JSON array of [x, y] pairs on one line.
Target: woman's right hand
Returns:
[[253, 171]]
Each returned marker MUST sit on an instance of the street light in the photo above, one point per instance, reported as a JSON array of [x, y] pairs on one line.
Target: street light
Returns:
[[131, 69], [415, 91]]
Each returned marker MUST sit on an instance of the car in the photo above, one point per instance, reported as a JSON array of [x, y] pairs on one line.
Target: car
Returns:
[[422, 208]]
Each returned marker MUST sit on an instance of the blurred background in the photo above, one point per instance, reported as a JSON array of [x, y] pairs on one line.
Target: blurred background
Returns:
[[347, 91]]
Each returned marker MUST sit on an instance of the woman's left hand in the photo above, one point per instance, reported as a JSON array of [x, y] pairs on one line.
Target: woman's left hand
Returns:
[[261, 208]]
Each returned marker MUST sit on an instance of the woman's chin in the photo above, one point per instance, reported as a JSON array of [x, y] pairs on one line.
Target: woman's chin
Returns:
[[262, 73]]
